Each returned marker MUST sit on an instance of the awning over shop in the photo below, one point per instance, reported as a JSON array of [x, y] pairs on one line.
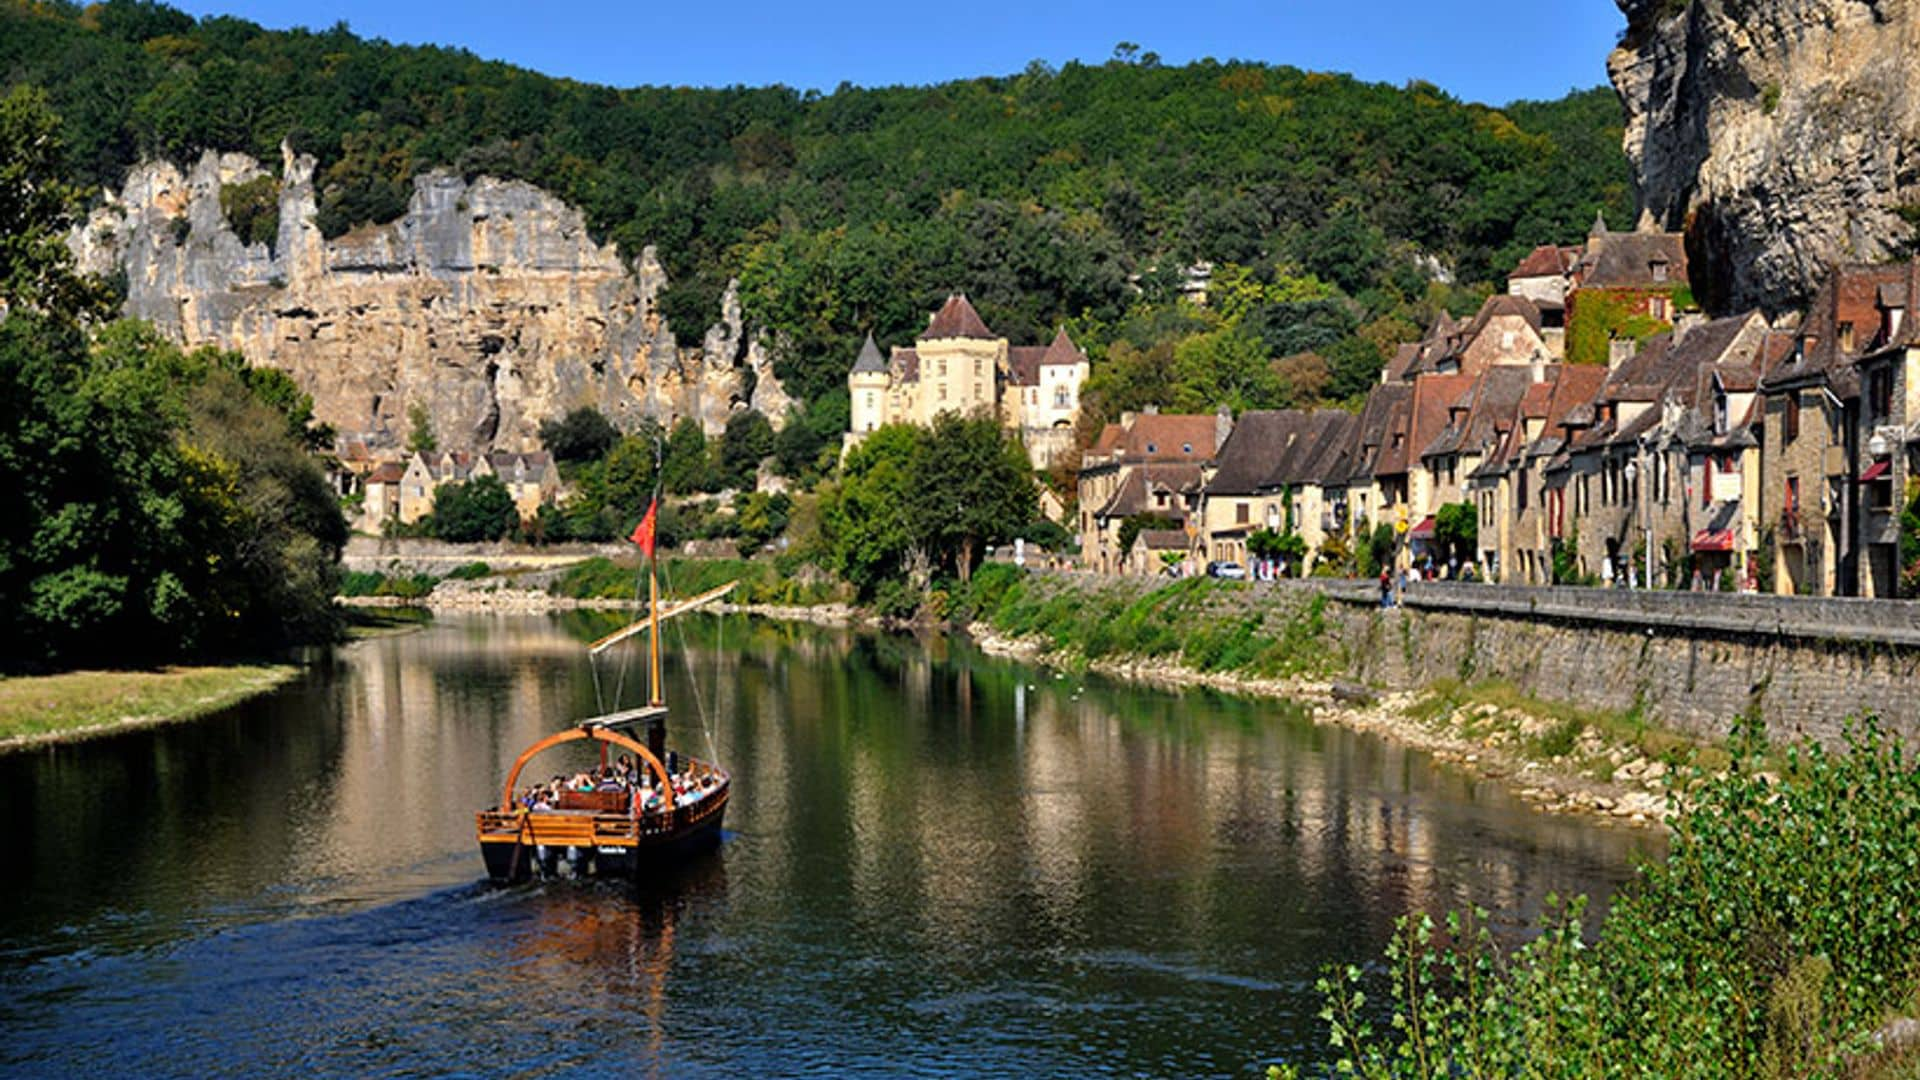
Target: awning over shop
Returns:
[[1878, 470], [1424, 530], [1713, 540]]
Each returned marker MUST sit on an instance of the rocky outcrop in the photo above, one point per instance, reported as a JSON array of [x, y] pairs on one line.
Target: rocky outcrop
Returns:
[[1781, 135], [488, 303]]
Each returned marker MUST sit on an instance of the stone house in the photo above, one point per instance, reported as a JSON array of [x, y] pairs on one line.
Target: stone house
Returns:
[[1888, 435], [1283, 470], [1151, 463], [1811, 450], [1519, 516], [1372, 494], [959, 365], [381, 501]]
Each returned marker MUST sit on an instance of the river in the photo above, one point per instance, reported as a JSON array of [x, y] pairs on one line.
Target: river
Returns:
[[936, 862]]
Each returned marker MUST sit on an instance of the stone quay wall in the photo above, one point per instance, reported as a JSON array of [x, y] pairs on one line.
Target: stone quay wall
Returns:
[[1691, 662]]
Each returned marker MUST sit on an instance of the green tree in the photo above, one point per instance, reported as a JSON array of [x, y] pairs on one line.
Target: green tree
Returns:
[[687, 470], [747, 441], [37, 207], [864, 519], [420, 436], [761, 519], [584, 434], [478, 509], [973, 488], [1456, 528]]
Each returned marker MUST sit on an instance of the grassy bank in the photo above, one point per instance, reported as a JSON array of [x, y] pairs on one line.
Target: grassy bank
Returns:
[[1202, 623], [75, 704], [1777, 939], [761, 581]]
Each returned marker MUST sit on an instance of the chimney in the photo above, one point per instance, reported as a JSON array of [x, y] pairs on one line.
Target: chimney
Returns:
[[1684, 325], [1619, 351], [1222, 426], [1126, 419], [1537, 368]]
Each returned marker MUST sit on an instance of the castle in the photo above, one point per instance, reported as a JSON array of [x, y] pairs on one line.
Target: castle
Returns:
[[958, 365]]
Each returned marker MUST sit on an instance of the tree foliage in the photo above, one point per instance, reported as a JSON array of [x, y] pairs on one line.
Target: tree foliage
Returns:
[[474, 510], [585, 434], [1047, 195]]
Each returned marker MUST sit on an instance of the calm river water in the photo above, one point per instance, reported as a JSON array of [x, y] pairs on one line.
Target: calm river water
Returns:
[[936, 863]]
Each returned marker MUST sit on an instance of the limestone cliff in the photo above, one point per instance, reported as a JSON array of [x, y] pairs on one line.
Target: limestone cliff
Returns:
[[1782, 135], [487, 302]]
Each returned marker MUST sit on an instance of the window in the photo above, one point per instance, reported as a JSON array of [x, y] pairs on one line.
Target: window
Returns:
[[1659, 269], [1846, 337], [1241, 514], [1791, 423], [1880, 393], [976, 367], [1186, 448], [943, 367], [1720, 413], [1152, 449], [1793, 495], [1880, 489], [943, 391]]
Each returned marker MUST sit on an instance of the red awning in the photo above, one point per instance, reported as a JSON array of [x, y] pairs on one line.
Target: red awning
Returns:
[[1878, 470], [1422, 531], [1713, 540]]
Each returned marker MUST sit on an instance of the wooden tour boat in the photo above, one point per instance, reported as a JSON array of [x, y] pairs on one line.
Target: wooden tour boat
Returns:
[[673, 812]]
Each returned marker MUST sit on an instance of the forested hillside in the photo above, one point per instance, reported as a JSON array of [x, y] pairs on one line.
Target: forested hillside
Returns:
[[1052, 197]]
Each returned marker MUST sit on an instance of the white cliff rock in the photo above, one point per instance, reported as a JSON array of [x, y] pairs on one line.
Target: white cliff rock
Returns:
[[487, 302], [1781, 135]]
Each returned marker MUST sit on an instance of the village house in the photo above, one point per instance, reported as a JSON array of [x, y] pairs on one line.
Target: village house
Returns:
[[1283, 471], [1147, 466], [1373, 496], [404, 491], [1889, 428], [959, 365], [1816, 488], [1517, 516]]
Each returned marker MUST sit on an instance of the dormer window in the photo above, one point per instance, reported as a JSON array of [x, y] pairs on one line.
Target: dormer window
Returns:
[[1659, 269], [1186, 448], [1846, 337], [1720, 413], [1895, 316], [1152, 449]]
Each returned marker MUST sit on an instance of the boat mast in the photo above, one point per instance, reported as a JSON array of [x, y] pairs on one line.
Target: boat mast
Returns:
[[653, 589]]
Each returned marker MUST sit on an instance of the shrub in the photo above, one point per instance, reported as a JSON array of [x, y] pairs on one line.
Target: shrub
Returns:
[[1776, 935]]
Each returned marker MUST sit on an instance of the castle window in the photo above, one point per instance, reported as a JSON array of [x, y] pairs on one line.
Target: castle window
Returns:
[[943, 367]]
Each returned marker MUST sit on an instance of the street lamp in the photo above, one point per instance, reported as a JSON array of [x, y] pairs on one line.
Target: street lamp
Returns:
[[1633, 471]]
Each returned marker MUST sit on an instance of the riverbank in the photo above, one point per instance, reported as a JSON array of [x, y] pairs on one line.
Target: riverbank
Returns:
[[1561, 760], [38, 710]]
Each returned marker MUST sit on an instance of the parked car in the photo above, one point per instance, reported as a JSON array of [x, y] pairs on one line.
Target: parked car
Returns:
[[1232, 570]]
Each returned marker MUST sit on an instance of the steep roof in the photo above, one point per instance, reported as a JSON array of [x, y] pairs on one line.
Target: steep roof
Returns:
[[1625, 260], [388, 472], [1547, 260], [1849, 295], [869, 361], [1023, 364], [1392, 455], [1062, 352], [1135, 493], [906, 365], [1258, 441], [1372, 431], [957, 319], [1158, 437], [1433, 398]]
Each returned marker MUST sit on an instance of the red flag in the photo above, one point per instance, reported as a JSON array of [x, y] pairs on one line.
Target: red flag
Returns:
[[643, 532]]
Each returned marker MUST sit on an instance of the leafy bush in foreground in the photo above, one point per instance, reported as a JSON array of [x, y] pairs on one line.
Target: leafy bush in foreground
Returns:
[[1783, 928]]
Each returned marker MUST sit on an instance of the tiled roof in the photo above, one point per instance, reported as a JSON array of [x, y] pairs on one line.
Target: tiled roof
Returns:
[[1023, 364], [1273, 448], [906, 365], [1062, 352], [1851, 295], [1543, 261], [387, 472], [1161, 437], [1134, 493], [1433, 398], [1386, 406], [1625, 260], [870, 361], [957, 319]]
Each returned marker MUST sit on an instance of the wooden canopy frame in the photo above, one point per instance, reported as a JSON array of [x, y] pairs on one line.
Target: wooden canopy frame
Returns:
[[597, 734]]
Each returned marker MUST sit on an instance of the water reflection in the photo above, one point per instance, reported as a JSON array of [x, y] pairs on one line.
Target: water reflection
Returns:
[[938, 862]]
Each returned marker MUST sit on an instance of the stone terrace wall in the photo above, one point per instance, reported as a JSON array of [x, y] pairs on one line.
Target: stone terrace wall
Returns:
[[1692, 661]]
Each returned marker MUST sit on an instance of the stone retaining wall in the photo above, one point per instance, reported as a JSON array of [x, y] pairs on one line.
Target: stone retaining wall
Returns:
[[1691, 661]]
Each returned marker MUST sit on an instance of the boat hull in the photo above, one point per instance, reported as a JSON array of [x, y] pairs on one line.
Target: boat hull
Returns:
[[510, 859]]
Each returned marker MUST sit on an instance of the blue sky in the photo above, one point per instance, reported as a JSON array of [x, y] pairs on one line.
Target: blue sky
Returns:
[[1492, 51]]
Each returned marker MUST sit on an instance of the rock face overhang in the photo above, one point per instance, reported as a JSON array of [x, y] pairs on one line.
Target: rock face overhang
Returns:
[[487, 302], [1782, 136]]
